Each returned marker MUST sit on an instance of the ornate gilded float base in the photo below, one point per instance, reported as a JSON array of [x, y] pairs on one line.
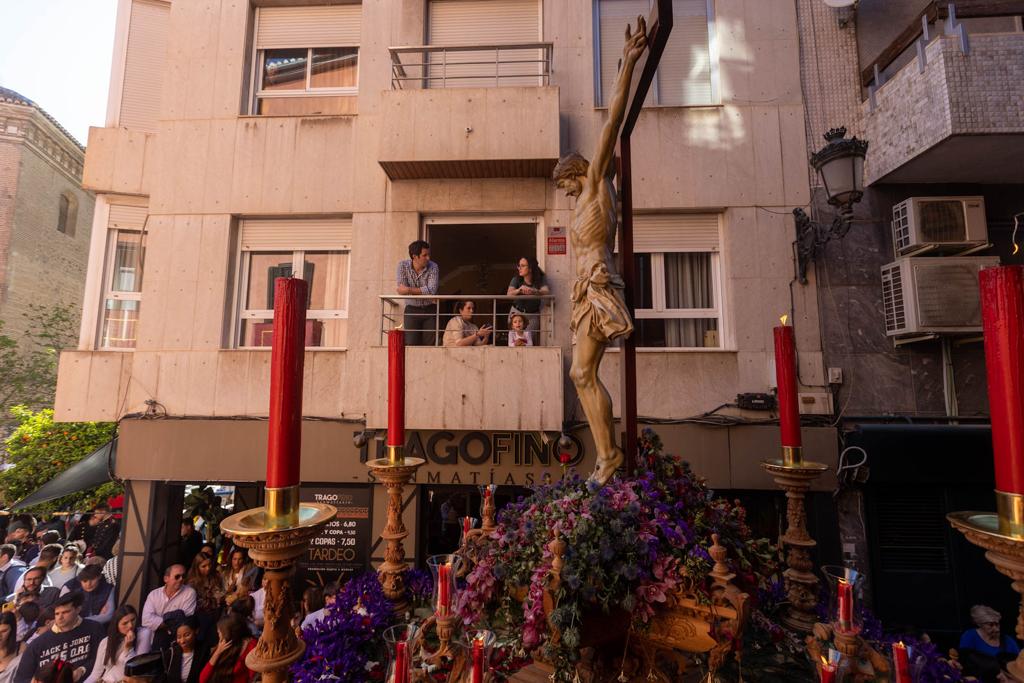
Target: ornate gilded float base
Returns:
[[801, 582], [394, 475], [1004, 551], [275, 550]]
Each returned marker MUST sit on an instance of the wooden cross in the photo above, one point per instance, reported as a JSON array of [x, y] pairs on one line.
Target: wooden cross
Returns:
[[659, 26]]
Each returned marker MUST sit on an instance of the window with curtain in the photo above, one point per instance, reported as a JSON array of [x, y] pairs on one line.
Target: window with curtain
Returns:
[[307, 60], [686, 74], [122, 288], [678, 300]]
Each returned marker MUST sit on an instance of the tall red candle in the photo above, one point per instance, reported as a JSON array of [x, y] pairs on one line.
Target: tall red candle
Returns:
[[478, 660], [845, 606], [901, 663], [284, 438], [401, 664], [785, 376], [396, 388], [1002, 315]]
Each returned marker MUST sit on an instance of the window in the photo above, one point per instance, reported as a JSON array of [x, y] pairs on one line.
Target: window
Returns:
[[67, 214], [122, 280], [316, 250], [687, 73], [678, 298], [307, 60]]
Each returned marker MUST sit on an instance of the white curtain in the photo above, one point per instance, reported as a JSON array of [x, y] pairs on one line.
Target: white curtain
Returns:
[[688, 284]]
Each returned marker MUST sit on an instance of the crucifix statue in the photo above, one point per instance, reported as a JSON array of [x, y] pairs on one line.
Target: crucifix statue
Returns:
[[600, 310]]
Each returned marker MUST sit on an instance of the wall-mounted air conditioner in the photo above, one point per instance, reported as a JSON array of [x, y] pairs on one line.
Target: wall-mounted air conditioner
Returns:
[[933, 295], [948, 224]]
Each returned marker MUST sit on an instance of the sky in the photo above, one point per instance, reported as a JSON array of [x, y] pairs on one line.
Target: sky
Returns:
[[57, 53]]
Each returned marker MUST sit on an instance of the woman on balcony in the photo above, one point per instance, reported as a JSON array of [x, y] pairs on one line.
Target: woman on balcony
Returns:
[[460, 330], [529, 281]]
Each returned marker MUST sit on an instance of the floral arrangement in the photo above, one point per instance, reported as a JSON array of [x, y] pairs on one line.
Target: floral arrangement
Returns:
[[627, 546], [346, 645]]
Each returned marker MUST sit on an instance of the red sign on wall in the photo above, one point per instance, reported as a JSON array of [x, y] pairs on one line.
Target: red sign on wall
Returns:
[[556, 240]]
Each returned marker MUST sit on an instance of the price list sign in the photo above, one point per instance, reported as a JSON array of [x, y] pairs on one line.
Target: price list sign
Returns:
[[343, 547]]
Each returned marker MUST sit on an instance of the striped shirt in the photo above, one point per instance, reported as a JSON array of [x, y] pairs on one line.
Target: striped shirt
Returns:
[[426, 280]]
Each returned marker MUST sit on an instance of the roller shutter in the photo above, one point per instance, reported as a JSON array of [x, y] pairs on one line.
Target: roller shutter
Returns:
[[124, 217], [144, 65], [680, 232], [316, 26], [290, 234]]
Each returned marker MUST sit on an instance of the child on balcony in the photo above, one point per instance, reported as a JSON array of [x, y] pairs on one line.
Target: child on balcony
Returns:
[[519, 335]]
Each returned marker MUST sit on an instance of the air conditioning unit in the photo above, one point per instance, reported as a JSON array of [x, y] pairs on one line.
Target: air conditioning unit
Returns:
[[933, 295], [946, 223]]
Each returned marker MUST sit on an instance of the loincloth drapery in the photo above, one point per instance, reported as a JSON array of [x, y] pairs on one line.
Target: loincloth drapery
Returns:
[[600, 296]]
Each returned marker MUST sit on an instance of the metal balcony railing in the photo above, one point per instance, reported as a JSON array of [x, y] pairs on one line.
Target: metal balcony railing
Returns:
[[490, 310], [470, 66]]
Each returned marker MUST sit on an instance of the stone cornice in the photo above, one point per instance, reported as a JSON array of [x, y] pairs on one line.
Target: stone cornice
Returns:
[[27, 125]]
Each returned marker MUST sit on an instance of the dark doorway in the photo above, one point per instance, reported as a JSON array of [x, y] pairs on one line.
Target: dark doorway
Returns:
[[442, 506]]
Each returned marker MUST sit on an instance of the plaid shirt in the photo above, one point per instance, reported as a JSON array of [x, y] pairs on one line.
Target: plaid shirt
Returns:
[[425, 280]]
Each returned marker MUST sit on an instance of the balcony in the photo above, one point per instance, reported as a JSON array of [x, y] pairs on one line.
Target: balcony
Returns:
[[952, 112], [119, 160], [480, 111]]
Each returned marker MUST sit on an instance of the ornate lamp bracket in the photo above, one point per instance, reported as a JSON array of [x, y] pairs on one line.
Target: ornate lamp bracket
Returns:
[[812, 236]]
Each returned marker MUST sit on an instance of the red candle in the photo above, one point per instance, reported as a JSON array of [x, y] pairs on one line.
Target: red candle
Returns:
[[444, 600], [1002, 314], [467, 523], [478, 660], [401, 664], [901, 663], [828, 672], [396, 388], [845, 595], [284, 439], [785, 376]]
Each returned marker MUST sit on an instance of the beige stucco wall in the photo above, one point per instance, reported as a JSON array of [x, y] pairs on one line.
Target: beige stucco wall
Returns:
[[208, 164]]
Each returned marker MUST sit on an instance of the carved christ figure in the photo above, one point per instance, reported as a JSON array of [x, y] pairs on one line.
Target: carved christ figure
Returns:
[[599, 313]]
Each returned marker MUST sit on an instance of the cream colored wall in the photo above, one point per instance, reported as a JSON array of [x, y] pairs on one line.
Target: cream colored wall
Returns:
[[207, 165]]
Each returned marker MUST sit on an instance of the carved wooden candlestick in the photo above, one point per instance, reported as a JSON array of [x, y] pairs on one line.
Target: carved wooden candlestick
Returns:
[[394, 473], [488, 514], [794, 475], [275, 549]]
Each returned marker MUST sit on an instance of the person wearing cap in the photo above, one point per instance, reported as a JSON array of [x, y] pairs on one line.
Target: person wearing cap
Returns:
[[35, 587], [97, 594], [11, 568], [71, 639], [106, 530]]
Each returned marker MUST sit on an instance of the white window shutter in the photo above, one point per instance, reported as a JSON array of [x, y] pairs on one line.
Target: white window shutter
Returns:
[[309, 26], [684, 73], [123, 217], [296, 234], [144, 65], [674, 232], [614, 16]]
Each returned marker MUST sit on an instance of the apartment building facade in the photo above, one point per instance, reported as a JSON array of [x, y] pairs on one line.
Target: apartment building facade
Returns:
[[252, 138]]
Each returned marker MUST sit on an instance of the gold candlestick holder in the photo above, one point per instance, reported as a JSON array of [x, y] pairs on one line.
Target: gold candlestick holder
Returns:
[[794, 475], [276, 535], [1003, 549], [394, 472]]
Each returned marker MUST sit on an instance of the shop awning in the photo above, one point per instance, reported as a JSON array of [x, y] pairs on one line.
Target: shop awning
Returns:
[[92, 470]]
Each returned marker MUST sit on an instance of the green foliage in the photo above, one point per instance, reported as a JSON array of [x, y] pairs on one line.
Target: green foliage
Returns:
[[39, 449], [28, 365], [202, 502]]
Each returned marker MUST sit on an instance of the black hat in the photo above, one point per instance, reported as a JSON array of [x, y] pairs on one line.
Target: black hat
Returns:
[[150, 665], [70, 598]]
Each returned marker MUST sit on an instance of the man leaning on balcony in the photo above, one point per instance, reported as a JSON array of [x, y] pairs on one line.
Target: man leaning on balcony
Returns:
[[419, 275]]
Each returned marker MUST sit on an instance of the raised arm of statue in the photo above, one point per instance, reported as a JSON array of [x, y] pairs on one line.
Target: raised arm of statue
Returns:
[[635, 45]]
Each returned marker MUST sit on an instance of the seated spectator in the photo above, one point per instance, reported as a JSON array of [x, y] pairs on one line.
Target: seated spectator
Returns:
[[27, 616], [983, 650], [125, 639], [67, 567], [46, 559], [43, 624], [19, 532], [166, 607], [239, 577], [312, 601], [209, 549], [227, 661], [460, 330], [529, 281], [518, 335], [97, 594], [190, 543], [314, 617], [44, 537], [209, 597], [35, 587], [72, 638], [245, 609], [11, 568], [10, 649], [55, 672], [186, 661]]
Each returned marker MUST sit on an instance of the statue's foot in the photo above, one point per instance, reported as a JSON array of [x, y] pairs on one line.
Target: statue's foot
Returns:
[[606, 466]]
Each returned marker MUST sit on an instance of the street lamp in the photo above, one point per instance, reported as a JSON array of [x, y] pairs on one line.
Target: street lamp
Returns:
[[840, 164]]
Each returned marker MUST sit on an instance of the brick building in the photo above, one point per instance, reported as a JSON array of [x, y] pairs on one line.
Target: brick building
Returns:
[[45, 215]]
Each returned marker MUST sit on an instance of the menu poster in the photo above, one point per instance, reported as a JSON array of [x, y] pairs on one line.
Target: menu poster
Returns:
[[343, 547]]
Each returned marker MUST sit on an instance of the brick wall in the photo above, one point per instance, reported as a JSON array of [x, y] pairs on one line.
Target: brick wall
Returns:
[[10, 164]]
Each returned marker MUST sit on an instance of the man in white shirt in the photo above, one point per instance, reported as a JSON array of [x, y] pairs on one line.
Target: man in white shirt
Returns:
[[175, 597]]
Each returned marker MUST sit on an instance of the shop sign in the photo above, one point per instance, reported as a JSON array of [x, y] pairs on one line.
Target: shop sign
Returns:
[[342, 546]]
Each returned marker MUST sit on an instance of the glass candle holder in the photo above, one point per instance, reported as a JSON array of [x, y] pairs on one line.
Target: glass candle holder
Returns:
[[444, 569], [902, 669], [477, 646], [468, 524], [845, 586], [400, 640]]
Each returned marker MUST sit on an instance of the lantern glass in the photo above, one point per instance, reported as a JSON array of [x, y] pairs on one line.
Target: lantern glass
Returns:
[[843, 178], [401, 636], [844, 601], [444, 569], [483, 653]]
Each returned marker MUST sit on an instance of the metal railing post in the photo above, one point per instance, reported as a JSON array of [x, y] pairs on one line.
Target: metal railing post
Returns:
[[437, 323]]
